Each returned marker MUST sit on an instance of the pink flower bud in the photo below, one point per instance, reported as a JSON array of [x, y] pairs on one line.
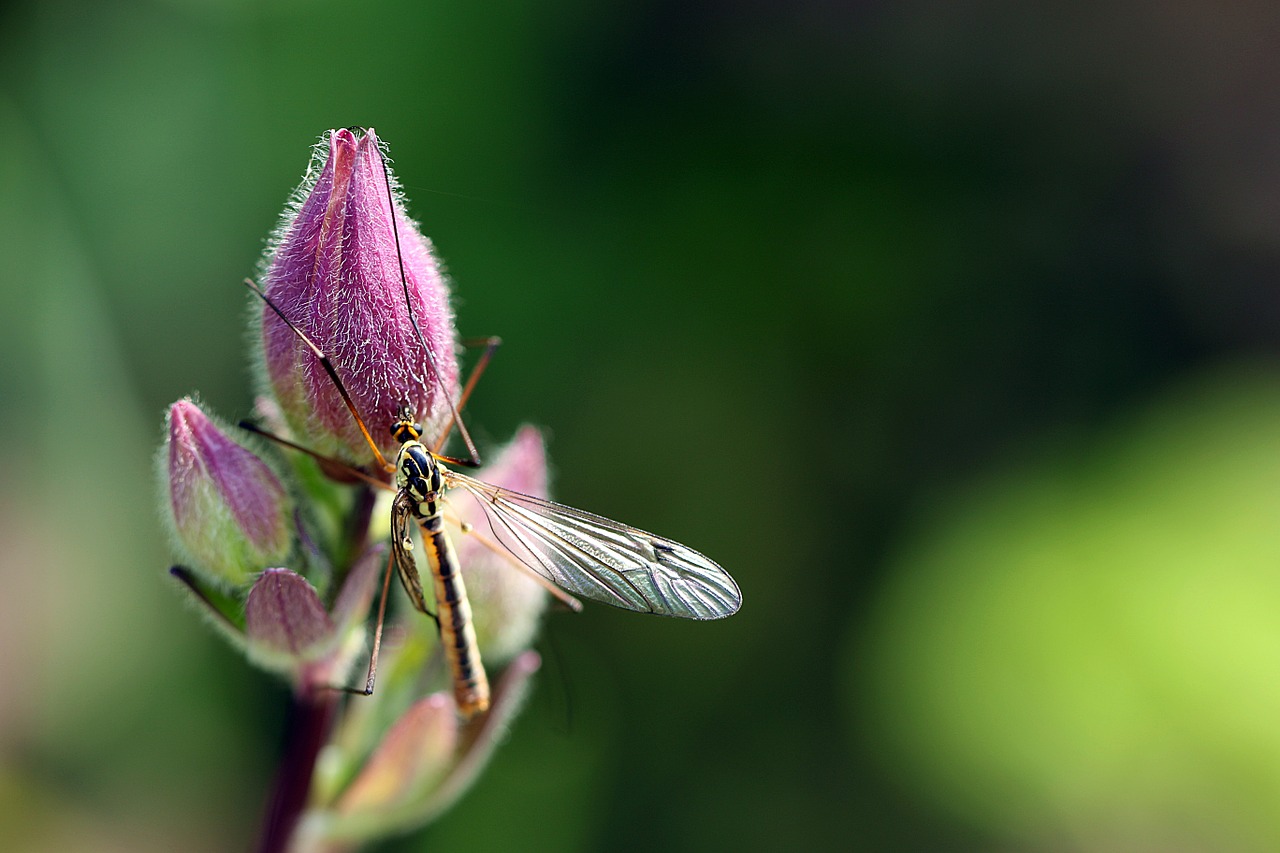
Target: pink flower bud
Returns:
[[334, 270], [229, 511], [285, 622], [507, 603]]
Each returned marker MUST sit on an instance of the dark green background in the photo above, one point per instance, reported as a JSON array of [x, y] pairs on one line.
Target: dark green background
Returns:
[[916, 316]]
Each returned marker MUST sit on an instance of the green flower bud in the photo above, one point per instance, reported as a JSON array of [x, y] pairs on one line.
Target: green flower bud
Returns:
[[229, 511]]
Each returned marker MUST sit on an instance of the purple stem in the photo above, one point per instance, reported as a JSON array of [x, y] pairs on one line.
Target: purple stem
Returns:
[[310, 716]]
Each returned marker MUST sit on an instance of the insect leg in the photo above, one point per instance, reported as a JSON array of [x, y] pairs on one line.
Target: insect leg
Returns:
[[329, 369], [490, 345], [326, 462], [372, 674]]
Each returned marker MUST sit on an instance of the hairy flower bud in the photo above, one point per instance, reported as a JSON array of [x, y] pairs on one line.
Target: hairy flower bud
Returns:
[[506, 601], [229, 511], [285, 621], [334, 269]]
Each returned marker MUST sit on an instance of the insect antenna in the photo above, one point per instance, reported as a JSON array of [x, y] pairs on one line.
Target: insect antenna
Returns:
[[473, 460]]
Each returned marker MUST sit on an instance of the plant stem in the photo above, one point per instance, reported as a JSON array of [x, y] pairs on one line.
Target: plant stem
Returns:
[[310, 716]]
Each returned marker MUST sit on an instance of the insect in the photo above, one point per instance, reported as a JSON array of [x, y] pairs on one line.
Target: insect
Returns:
[[572, 552]]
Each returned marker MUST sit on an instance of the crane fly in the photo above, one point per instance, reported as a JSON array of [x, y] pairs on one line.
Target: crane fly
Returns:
[[570, 551]]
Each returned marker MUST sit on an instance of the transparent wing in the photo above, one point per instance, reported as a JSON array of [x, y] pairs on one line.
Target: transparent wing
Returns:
[[402, 549], [604, 560]]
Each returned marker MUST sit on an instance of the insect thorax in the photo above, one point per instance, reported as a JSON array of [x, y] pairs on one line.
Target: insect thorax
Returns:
[[419, 475]]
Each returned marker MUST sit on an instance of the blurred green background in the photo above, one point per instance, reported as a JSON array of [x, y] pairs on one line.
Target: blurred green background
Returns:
[[948, 329]]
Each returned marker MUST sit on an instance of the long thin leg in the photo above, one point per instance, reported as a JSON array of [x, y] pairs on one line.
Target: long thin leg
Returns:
[[327, 461], [490, 345], [377, 637], [329, 369]]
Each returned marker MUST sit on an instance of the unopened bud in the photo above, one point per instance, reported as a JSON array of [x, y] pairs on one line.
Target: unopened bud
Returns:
[[335, 270], [230, 513], [285, 622]]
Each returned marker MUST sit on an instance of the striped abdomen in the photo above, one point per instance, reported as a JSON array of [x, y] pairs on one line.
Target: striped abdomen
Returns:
[[470, 685]]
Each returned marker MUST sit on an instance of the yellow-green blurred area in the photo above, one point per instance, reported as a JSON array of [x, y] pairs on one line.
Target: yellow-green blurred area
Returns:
[[950, 330]]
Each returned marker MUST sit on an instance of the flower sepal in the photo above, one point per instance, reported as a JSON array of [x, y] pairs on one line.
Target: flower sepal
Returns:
[[423, 764]]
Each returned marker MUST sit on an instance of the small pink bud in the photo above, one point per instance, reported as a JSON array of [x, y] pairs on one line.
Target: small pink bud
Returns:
[[334, 270], [229, 511], [506, 601], [285, 622]]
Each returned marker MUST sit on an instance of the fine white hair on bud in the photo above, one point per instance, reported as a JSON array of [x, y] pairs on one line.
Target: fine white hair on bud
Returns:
[[346, 267]]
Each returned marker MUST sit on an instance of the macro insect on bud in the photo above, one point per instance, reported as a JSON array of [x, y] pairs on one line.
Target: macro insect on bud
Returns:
[[358, 354]]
